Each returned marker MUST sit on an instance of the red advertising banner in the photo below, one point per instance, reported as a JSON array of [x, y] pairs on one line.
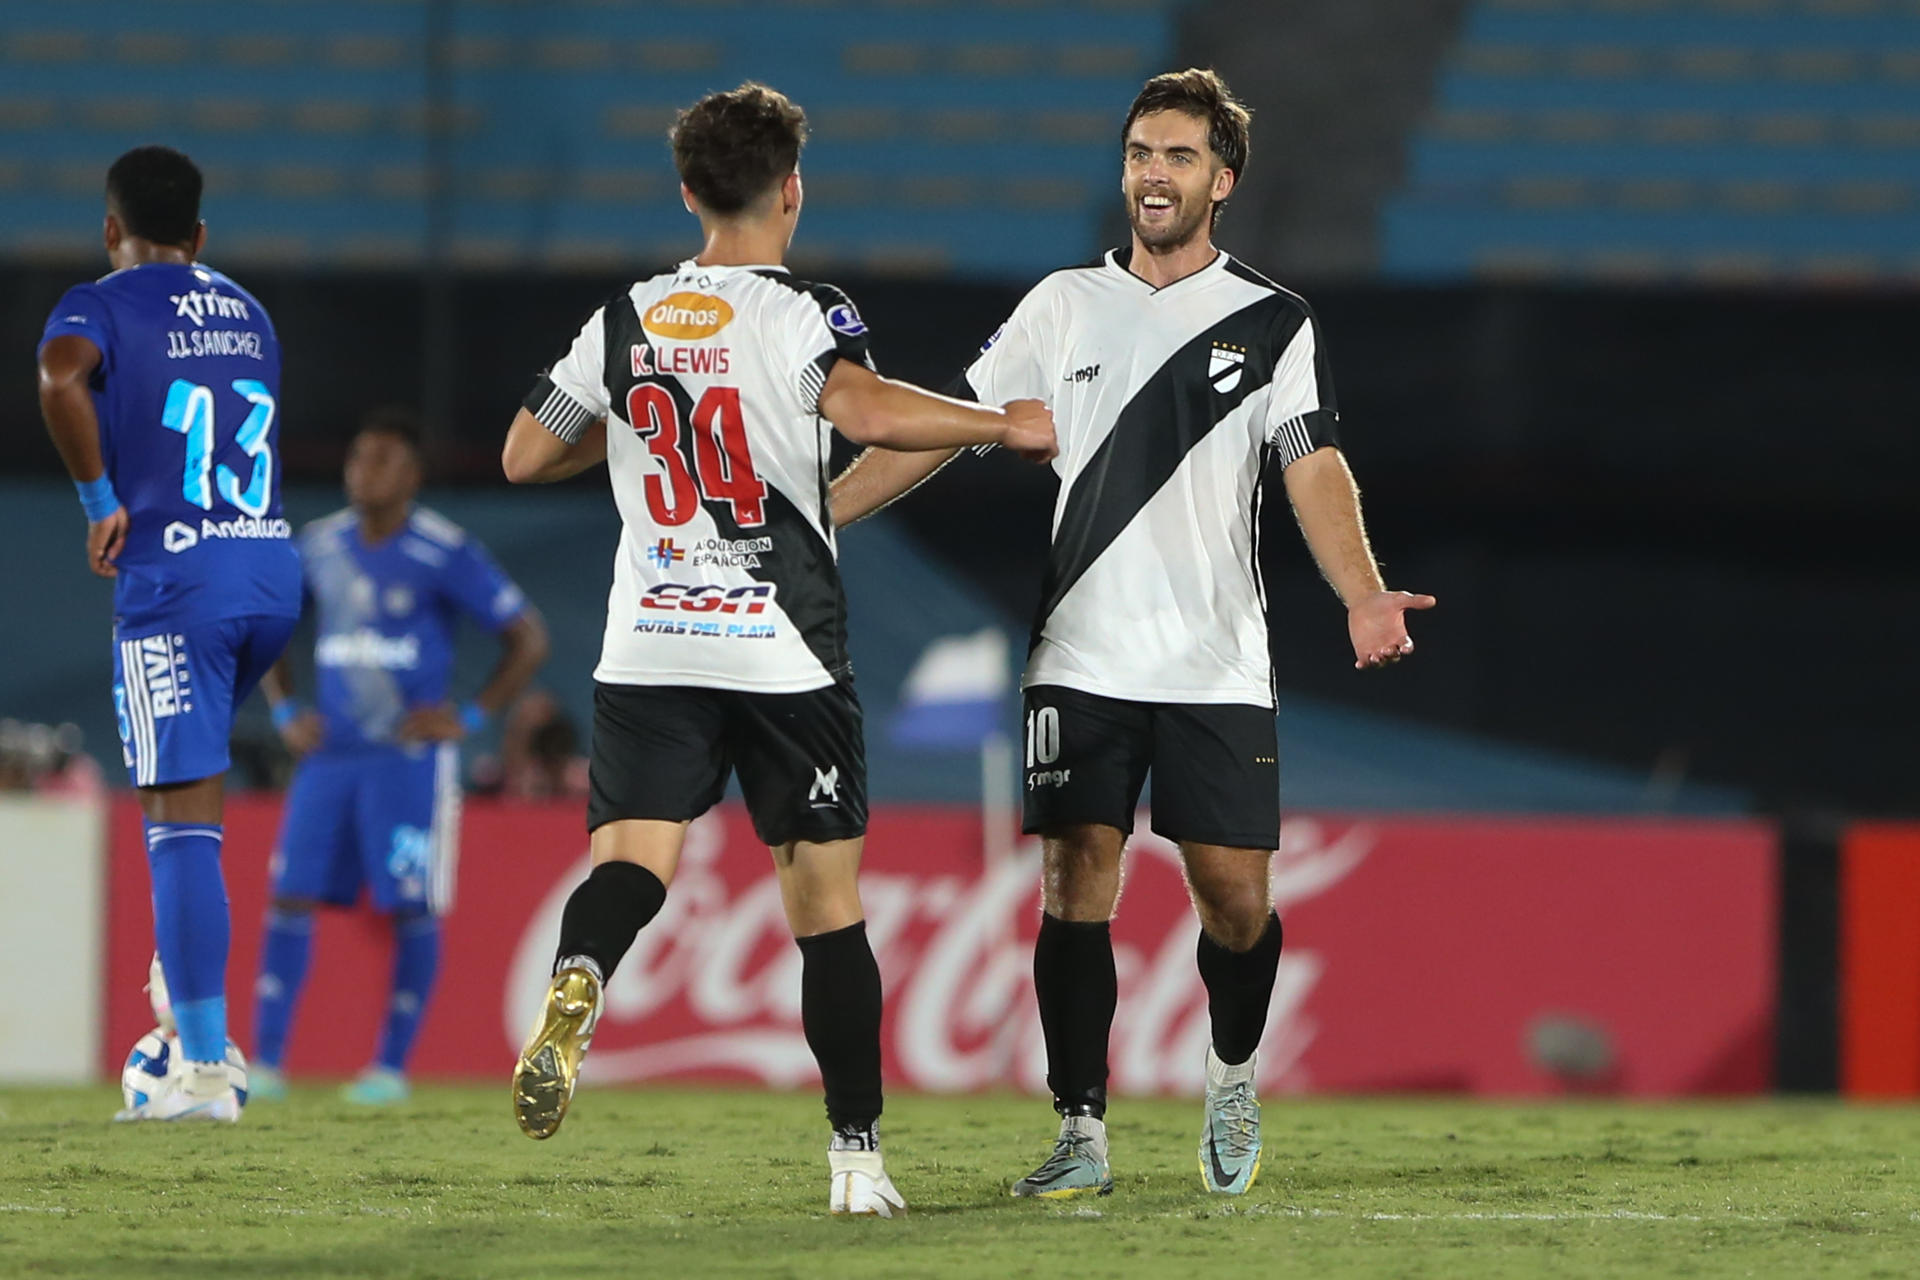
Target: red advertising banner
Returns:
[[1492, 956], [1880, 961]]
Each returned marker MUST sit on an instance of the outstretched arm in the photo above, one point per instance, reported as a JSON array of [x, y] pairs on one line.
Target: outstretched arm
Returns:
[[535, 455], [66, 364], [1326, 502], [914, 433], [880, 477], [870, 409]]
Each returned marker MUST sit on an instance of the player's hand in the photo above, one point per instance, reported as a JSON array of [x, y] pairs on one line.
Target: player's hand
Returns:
[[431, 724], [1030, 431], [1378, 627], [105, 539], [302, 734]]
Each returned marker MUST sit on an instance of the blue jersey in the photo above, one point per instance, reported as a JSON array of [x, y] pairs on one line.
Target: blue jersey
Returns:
[[386, 617], [188, 394]]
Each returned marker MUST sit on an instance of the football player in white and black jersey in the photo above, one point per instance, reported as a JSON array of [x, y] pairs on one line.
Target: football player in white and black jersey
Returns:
[[708, 391], [1181, 379]]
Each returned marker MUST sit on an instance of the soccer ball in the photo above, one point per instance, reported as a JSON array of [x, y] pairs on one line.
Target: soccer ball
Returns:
[[149, 1068], [153, 1066]]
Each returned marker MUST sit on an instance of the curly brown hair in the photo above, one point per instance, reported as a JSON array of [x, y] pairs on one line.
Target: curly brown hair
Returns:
[[733, 148]]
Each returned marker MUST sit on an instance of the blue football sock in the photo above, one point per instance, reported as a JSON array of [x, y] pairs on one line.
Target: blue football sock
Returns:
[[416, 958], [190, 930], [283, 971]]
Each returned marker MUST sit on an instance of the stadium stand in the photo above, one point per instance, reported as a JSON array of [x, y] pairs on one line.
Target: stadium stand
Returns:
[[941, 141], [1670, 139]]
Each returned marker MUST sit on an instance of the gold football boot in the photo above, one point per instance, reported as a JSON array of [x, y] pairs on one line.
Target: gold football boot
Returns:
[[549, 1066]]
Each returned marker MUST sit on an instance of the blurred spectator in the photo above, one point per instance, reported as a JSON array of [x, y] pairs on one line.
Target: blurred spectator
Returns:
[[47, 759], [539, 756]]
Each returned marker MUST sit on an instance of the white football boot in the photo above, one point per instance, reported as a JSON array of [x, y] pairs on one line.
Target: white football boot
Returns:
[[861, 1187], [200, 1092]]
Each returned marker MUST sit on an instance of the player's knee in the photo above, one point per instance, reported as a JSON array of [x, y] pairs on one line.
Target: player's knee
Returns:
[[1080, 878], [823, 909], [1234, 913], [819, 886]]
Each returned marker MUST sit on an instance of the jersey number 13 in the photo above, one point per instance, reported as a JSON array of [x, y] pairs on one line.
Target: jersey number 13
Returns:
[[189, 410]]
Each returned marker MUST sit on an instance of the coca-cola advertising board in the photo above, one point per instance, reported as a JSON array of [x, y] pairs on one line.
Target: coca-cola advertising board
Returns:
[[1491, 956]]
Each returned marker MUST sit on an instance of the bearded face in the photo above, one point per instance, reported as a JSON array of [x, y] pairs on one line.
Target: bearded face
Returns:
[[1171, 180]]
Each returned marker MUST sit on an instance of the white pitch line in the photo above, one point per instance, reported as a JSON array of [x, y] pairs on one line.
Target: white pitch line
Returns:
[[1510, 1215], [1598, 1215]]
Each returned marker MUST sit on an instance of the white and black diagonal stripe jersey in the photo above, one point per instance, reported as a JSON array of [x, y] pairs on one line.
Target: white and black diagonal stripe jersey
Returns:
[[710, 380], [1168, 403]]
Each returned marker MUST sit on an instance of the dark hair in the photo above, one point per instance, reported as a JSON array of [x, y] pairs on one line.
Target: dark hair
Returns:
[[732, 148], [400, 423], [155, 191], [1201, 93]]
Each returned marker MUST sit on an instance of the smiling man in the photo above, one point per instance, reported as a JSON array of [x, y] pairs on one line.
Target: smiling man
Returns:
[[1179, 379]]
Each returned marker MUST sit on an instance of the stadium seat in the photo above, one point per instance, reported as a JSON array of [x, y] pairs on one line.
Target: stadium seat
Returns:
[[1673, 139], [560, 109]]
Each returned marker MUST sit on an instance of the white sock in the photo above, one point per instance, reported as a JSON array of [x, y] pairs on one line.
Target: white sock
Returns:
[[1220, 1075], [867, 1162], [1087, 1126], [588, 963]]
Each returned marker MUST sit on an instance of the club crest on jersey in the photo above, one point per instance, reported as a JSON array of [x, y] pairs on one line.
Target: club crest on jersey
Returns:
[[687, 316], [842, 318], [1225, 366]]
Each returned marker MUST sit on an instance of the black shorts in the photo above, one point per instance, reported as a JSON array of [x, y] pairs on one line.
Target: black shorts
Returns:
[[664, 751], [1216, 779]]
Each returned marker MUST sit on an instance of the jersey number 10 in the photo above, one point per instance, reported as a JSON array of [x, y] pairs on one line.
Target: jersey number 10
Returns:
[[189, 410], [721, 461]]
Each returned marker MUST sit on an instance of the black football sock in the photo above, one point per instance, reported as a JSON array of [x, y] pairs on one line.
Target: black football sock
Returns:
[[607, 912], [840, 1012], [1239, 989], [1076, 986]]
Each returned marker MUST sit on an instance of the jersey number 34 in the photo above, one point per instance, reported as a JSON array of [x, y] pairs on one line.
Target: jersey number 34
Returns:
[[722, 469], [189, 410]]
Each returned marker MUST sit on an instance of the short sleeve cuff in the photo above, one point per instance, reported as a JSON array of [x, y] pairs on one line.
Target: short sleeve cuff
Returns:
[[1297, 437], [814, 373], [559, 412], [76, 327], [506, 607]]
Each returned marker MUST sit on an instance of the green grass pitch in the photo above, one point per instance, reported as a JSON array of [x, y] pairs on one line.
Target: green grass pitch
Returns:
[[685, 1184]]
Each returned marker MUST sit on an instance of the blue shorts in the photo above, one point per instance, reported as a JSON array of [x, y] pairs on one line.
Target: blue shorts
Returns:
[[175, 692], [385, 818]]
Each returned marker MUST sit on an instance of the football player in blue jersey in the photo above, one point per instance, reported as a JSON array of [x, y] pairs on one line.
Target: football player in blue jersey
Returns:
[[375, 801], [160, 385]]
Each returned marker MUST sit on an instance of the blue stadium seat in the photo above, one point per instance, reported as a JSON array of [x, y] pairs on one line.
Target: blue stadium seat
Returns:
[[932, 143], [1669, 140]]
